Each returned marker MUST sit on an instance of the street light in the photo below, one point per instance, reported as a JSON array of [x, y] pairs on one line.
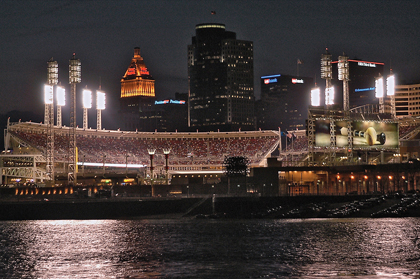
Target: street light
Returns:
[[151, 152], [166, 152], [103, 157], [126, 165]]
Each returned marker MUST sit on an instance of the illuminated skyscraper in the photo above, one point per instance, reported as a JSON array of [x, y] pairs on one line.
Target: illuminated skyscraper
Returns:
[[220, 79], [138, 96], [137, 81]]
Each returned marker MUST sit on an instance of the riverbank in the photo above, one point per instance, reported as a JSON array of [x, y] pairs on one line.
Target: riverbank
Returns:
[[397, 205]]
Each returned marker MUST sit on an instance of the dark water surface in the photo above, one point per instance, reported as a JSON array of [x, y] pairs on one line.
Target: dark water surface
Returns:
[[190, 248]]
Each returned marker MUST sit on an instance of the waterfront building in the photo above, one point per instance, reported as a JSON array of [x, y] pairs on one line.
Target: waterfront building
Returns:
[[284, 102], [220, 80]]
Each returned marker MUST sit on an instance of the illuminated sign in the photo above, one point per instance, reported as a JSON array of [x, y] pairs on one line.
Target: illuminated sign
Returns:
[[178, 102], [271, 76], [164, 102], [295, 80], [364, 89], [366, 64], [270, 80], [131, 71]]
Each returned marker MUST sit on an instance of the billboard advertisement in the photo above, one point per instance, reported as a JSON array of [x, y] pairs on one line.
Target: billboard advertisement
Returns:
[[366, 134]]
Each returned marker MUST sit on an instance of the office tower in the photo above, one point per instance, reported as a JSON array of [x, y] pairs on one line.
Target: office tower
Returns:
[[284, 102], [361, 82], [220, 79]]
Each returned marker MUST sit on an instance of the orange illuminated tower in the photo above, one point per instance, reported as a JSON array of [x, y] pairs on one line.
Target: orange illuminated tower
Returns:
[[138, 97], [137, 81]]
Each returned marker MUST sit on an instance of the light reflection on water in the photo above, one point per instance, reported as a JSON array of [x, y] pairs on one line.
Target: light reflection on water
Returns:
[[184, 248]]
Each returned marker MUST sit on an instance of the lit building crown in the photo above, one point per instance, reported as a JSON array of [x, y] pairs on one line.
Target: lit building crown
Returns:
[[137, 80]]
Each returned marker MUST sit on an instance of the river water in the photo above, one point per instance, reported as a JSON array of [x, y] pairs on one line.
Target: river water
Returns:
[[196, 248]]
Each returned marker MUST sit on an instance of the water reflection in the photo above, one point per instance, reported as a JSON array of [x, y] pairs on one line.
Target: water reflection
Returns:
[[210, 248]]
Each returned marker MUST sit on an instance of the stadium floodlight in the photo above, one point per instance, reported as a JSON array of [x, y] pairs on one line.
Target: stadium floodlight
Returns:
[[326, 68], [48, 94], [87, 98], [390, 85], [100, 100], [61, 96], [75, 70], [52, 71], [343, 68], [379, 88], [87, 104], [329, 96], [316, 97]]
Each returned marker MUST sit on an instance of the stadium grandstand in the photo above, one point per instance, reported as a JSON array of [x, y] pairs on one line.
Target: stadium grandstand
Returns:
[[113, 150]]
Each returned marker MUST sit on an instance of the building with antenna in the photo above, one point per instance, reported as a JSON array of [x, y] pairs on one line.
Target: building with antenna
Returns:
[[220, 80]]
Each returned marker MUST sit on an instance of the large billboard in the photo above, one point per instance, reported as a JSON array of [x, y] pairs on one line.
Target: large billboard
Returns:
[[366, 134]]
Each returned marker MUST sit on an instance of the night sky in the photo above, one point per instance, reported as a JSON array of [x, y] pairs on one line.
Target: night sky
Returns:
[[104, 33]]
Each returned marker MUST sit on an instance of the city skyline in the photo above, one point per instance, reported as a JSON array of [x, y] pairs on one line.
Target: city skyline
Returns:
[[103, 34]]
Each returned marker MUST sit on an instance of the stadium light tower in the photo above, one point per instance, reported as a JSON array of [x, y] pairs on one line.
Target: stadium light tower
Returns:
[[100, 105], [75, 77], [49, 117], [61, 101], [390, 91], [326, 73], [379, 93], [87, 104], [343, 74]]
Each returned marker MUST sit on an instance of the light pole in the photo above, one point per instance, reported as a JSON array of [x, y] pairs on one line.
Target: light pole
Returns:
[[83, 165], [166, 152], [126, 165], [103, 157], [151, 154]]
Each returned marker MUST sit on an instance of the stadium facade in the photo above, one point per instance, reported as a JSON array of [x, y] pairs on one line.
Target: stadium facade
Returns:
[[220, 80]]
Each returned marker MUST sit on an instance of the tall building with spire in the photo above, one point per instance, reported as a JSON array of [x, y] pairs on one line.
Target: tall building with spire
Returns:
[[220, 80], [137, 80], [138, 96]]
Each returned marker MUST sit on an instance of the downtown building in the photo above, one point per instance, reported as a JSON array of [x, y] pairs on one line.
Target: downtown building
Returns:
[[284, 102], [140, 110], [138, 96], [407, 100], [220, 80], [361, 84]]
